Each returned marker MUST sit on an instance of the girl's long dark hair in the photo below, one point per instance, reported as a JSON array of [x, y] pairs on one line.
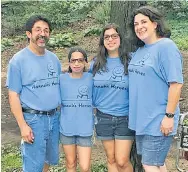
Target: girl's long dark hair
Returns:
[[101, 58]]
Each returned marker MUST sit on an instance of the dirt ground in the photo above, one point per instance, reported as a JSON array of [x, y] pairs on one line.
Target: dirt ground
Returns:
[[10, 131]]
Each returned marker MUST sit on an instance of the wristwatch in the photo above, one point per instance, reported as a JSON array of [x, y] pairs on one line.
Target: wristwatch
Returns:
[[169, 115]]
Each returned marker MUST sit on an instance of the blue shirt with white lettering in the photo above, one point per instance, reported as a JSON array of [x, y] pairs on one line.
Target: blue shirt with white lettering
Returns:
[[76, 99], [152, 68], [110, 92], [35, 79]]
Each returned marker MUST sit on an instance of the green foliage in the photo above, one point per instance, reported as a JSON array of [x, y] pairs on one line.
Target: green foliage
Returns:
[[10, 158], [185, 122], [94, 30], [173, 9], [99, 168], [102, 12], [60, 13], [11, 161], [20, 38], [14, 15], [62, 40], [6, 43], [182, 43], [179, 33]]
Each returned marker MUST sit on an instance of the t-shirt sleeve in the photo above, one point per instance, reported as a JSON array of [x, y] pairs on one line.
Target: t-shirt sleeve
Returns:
[[170, 63], [14, 81]]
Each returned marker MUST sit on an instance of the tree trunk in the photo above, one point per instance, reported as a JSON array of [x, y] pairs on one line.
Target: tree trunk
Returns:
[[136, 159], [120, 14], [186, 155]]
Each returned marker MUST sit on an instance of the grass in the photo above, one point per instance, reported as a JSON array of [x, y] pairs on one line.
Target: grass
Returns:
[[11, 161]]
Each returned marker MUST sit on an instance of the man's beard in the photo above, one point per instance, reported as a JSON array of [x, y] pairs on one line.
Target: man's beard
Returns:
[[44, 38]]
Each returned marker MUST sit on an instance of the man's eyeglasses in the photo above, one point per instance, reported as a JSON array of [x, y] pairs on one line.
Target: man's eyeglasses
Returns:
[[81, 60], [113, 36]]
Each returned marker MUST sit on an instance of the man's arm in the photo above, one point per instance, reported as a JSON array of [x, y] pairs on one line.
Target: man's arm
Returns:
[[15, 105]]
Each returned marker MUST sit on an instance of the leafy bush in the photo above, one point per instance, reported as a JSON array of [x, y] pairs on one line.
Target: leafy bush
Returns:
[[20, 38], [182, 43], [179, 33], [173, 9], [185, 122], [60, 13], [99, 168], [62, 40], [15, 14], [94, 30], [101, 12], [6, 43], [10, 158]]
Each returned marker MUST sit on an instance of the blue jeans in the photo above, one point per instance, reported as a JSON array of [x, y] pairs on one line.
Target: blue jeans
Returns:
[[153, 149], [45, 148]]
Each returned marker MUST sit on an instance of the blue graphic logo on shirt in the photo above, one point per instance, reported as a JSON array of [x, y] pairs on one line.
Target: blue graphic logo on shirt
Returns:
[[117, 73], [83, 92], [51, 70], [49, 81], [142, 61]]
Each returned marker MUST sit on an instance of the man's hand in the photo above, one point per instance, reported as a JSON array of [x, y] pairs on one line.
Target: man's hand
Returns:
[[27, 133], [167, 125]]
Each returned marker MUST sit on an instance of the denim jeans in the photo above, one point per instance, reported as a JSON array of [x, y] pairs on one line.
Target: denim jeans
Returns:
[[153, 149], [45, 147], [109, 127], [83, 141]]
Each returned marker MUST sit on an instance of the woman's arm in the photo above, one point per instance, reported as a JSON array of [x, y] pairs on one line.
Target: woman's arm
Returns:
[[174, 92]]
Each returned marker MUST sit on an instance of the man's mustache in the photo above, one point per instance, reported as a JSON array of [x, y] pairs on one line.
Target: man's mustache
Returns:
[[43, 37]]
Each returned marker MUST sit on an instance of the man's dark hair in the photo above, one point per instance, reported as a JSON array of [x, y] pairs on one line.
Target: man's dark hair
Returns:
[[33, 19]]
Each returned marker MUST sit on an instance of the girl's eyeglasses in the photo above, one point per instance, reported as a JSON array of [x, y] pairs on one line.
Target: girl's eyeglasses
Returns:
[[113, 36], [80, 60]]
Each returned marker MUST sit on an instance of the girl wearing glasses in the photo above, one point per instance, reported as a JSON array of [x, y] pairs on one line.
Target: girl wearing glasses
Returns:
[[111, 99], [76, 121], [155, 81]]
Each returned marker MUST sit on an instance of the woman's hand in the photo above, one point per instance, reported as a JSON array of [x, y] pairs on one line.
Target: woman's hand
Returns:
[[167, 125]]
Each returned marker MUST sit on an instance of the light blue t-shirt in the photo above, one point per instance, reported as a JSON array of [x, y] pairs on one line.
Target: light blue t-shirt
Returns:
[[110, 92], [152, 68], [35, 79], [76, 99]]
